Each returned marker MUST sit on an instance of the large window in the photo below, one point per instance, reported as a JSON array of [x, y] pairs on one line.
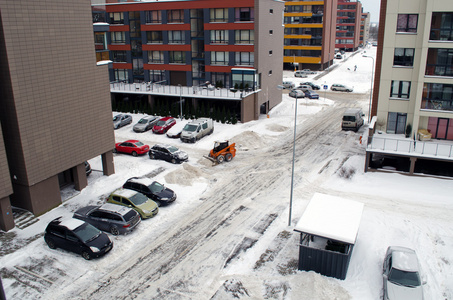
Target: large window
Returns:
[[407, 23], [118, 37], [119, 56], [396, 123], [244, 14], [176, 37], [439, 62], [219, 58], [116, 18], [218, 15], [245, 37], [156, 57], [442, 26], [121, 75], [175, 16], [177, 57], [404, 57], [400, 89], [437, 96], [154, 37], [156, 75], [154, 16], [244, 58], [219, 36]]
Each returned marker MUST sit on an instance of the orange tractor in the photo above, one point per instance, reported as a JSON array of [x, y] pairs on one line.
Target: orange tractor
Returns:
[[221, 152]]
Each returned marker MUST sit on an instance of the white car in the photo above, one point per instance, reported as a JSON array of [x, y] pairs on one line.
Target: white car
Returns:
[[401, 275], [341, 87]]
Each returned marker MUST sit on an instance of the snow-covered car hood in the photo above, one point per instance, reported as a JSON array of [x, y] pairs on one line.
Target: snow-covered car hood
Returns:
[[399, 292], [181, 154]]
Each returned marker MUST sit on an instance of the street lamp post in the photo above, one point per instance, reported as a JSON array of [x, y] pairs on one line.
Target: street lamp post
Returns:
[[371, 92], [292, 172]]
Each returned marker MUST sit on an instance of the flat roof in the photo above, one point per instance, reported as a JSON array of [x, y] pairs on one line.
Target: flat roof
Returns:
[[332, 218]]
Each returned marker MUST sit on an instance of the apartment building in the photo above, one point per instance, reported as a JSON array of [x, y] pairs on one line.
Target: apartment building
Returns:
[[349, 17], [55, 109], [309, 40], [364, 29], [228, 44]]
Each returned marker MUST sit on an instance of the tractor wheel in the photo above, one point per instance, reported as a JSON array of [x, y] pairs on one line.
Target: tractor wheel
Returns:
[[228, 157], [220, 159]]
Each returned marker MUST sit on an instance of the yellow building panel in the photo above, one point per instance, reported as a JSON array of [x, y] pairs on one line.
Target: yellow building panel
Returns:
[[303, 25], [302, 59], [301, 37], [305, 3], [302, 47], [299, 14]]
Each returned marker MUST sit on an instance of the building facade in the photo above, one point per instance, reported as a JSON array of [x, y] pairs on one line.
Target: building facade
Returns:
[[414, 68], [309, 40], [364, 29], [54, 97], [349, 17]]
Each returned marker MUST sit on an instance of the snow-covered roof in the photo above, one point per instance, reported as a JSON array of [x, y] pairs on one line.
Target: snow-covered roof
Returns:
[[125, 193], [143, 180], [71, 224], [122, 210], [331, 217]]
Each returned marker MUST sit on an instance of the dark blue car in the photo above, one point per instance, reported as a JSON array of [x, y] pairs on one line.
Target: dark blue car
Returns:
[[311, 95]]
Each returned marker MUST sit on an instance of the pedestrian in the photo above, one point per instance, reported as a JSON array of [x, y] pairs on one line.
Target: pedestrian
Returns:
[[355, 68]]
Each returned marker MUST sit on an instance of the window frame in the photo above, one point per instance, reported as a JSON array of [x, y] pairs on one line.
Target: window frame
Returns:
[[173, 37], [404, 26], [219, 36], [404, 61], [216, 58], [150, 40], [175, 16], [152, 58], [214, 15], [239, 38], [399, 94], [116, 18], [118, 37], [151, 19], [173, 55]]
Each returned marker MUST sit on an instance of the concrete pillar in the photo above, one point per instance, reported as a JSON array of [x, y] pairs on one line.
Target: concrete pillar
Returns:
[[80, 177], [151, 102], [6, 214], [412, 167], [367, 161], [107, 163]]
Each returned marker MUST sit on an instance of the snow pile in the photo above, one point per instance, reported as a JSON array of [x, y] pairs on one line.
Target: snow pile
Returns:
[[248, 140], [185, 177]]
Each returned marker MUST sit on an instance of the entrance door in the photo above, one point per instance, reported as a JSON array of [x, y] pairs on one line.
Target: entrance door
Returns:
[[442, 125]]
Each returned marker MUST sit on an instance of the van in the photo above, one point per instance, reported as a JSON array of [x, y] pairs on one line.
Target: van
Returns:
[[352, 119], [195, 130]]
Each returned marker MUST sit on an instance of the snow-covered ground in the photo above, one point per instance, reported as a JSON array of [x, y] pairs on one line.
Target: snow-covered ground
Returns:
[[400, 210]]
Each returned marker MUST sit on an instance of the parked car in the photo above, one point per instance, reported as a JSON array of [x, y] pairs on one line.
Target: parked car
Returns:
[[338, 56], [87, 168], [313, 86], [197, 129], [401, 274], [311, 95], [300, 74], [168, 153], [77, 236], [151, 189], [340, 87], [352, 119], [304, 87], [308, 71], [175, 131], [121, 120], [109, 217], [288, 85], [164, 124], [297, 93], [133, 147], [146, 207], [145, 123]]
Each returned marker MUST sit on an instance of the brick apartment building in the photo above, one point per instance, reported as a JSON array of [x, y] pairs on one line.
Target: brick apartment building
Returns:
[[55, 110], [349, 16]]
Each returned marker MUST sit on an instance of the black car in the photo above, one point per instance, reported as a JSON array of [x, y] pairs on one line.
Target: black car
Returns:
[[313, 86], [77, 236], [113, 218], [152, 189], [168, 153]]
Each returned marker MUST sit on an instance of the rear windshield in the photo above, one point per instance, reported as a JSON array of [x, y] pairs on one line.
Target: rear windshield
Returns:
[[130, 215], [349, 118], [143, 121]]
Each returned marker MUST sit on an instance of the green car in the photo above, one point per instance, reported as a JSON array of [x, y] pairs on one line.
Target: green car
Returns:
[[146, 207]]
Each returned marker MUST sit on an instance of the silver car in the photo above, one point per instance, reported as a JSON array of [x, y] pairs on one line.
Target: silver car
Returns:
[[297, 93], [401, 274], [121, 120], [341, 87], [145, 123]]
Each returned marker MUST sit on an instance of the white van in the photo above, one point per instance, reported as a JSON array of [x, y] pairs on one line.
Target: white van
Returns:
[[195, 130], [352, 119]]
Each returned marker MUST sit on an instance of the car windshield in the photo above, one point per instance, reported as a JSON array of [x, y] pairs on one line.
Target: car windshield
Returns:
[[87, 232], [160, 123], [139, 144], [156, 187], [138, 199], [172, 149], [143, 121], [399, 277], [190, 127], [116, 118], [129, 215]]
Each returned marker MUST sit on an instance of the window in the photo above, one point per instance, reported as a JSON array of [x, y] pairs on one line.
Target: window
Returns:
[[118, 37], [245, 37], [100, 41], [154, 37], [404, 57], [218, 15], [437, 96], [219, 36], [120, 75], [177, 57], [119, 56], [154, 17], [116, 18], [396, 123], [270, 52], [400, 89], [219, 58], [175, 16], [271, 32], [244, 14], [156, 57], [270, 72], [271, 11], [441, 26], [175, 37], [439, 62], [407, 23], [245, 58]]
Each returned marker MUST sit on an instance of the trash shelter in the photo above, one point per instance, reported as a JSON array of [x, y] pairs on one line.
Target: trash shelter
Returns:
[[328, 231]]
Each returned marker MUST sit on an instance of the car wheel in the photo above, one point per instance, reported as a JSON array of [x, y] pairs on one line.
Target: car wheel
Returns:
[[134, 153], [86, 255], [114, 150], [151, 156], [220, 159], [114, 230], [51, 244], [228, 157], [173, 161]]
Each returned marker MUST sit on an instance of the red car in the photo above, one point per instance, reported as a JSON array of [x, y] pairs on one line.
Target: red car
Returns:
[[133, 147], [164, 124]]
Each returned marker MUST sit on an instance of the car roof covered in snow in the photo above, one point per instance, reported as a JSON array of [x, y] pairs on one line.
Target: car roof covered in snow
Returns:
[[404, 259], [120, 209], [124, 193], [142, 180], [71, 224]]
